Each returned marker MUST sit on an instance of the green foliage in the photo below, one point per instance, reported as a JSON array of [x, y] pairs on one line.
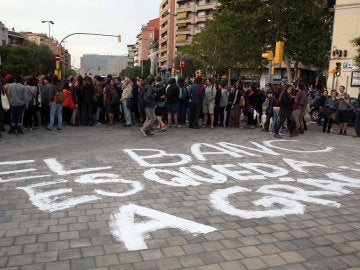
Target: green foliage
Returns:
[[192, 63], [356, 43], [133, 72], [26, 59], [242, 29]]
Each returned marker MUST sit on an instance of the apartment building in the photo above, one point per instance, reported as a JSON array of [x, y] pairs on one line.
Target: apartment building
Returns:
[[346, 28], [148, 35], [43, 39], [191, 18], [180, 21], [166, 49], [131, 54]]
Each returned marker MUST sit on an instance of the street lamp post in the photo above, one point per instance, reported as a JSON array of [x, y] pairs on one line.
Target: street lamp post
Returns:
[[49, 22]]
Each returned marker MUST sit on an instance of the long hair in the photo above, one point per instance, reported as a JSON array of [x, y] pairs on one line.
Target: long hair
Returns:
[[283, 90]]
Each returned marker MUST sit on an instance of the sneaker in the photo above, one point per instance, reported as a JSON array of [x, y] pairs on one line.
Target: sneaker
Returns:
[[49, 128], [277, 135], [59, 128], [12, 131], [20, 131], [150, 134], [282, 133], [163, 129], [178, 126], [143, 132], [293, 135]]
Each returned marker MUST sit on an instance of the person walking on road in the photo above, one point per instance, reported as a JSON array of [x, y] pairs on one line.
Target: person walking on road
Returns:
[[147, 95]]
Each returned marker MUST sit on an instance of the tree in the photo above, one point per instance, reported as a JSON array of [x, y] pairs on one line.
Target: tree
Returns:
[[192, 63], [241, 30], [26, 59], [356, 43], [131, 72]]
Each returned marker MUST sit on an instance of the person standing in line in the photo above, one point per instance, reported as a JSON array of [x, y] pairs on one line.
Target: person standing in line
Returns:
[[2, 111], [56, 98], [87, 92], [357, 121], [286, 107], [209, 103], [183, 101], [196, 95], [222, 103], [300, 103], [46, 101], [18, 99], [319, 102], [126, 101], [251, 101], [343, 112], [332, 104], [160, 96], [74, 90], [148, 102], [97, 99], [269, 112], [172, 102]]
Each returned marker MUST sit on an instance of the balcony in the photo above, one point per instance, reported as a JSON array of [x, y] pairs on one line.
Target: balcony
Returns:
[[206, 6], [184, 31]]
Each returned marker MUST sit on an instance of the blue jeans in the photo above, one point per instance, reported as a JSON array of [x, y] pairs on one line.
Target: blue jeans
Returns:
[[96, 114], [127, 112], [274, 122], [55, 110]]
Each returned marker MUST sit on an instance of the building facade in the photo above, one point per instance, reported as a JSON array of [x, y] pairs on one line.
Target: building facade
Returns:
[[103, 65], [144, 40], [43, 39], [3, 34], [191, 18], [166, 49], [180, 21], [346, 28], [131, 55]]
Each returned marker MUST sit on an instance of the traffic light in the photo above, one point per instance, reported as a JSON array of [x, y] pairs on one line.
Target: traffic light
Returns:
[[57, 64], [338, 69], [279, 52], [268, 55]]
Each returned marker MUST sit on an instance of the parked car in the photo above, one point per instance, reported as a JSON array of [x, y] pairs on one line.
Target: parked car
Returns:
[[354, 106]]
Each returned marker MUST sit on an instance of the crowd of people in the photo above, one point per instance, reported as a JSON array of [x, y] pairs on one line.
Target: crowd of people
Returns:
[[155, 104]]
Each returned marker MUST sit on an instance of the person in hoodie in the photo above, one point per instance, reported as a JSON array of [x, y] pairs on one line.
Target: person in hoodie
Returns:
[[18, 99], [196, 95]]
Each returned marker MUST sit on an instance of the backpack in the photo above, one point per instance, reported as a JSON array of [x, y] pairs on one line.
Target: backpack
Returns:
[[59, 97], [182, 93], [303, 99]]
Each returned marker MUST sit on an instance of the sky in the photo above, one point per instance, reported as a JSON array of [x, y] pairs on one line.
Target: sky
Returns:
[[111, 17]]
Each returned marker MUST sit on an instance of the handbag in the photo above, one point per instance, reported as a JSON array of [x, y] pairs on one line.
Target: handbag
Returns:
[[326, 111], [5, 102]]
